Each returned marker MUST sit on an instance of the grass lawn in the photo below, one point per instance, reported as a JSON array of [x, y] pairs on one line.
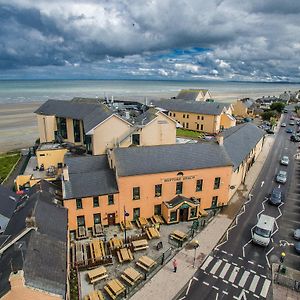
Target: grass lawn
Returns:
[[7, 161], [188, 133]]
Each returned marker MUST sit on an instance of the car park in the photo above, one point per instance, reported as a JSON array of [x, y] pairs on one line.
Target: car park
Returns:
[[297, 234], [289, 130], [283, 124], [284, 161], [275, 198], [281, 176]]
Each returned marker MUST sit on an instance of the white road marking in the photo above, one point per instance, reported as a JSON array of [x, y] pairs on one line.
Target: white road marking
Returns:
[[224, 271], [195, 278], [206, 283], [225, 259], [234, 285], [240, 258], [224, 252], [262, 183], [279, 186], [265, 288], [261, 266], [242, 295], [189, 286], [206, 263], [256, 296], [215, 277], [215, 287], [244, 279], [217, 296], [234, 274], [225, 292], [225, 281], [246, 246], [216, 267], [264, 276], [254, 283], [252, 271], [250, 262]]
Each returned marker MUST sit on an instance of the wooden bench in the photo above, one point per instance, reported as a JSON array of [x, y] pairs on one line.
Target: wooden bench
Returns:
[[152, 233], [115, 243], [142, 222], [97, 249], [95, 295], [114, 288], [178, 235], [140, 245], [124, 254], [127, 225], [203, 213], [157, 219], [131, 276], [97, 274], [146, 263]]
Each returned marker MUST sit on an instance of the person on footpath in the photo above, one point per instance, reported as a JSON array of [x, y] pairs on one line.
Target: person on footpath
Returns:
[[175, 265]]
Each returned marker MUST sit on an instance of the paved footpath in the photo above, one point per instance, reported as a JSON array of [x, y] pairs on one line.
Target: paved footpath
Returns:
[[166, 284]]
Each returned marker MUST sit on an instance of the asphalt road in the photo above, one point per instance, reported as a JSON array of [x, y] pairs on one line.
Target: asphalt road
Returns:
[[237, 268]]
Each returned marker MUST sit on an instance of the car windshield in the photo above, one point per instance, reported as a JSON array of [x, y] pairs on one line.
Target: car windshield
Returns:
[[276, 195], [262, 232]]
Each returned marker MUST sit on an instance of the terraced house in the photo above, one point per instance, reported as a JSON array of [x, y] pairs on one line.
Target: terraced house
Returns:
[[208, 117]]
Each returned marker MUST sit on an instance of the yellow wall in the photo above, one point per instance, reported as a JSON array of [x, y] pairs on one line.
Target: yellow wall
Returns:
[[226, 121], [107, 134], [46, 127], [239, 109], [50, 157], [20, 291]]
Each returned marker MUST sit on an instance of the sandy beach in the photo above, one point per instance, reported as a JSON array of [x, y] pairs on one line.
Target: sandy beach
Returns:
[[18, 125]]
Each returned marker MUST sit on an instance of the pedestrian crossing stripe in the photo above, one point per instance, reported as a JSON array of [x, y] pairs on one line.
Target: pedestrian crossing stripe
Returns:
[[238, 277]]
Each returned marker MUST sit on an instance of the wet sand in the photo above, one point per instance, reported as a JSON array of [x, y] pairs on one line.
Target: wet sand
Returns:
[[18, 125]]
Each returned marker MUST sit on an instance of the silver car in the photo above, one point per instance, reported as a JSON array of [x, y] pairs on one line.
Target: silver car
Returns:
[[281, 177], [284, 160]]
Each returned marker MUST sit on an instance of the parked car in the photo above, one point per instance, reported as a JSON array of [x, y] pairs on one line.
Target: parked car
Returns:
[[292, 123], [281, 176], [270, 131], [295, 138], [289, 130], [283, 124], [285, 110], [297, 234], [275, 197], [292, 118], [284, 160], [297, 247]]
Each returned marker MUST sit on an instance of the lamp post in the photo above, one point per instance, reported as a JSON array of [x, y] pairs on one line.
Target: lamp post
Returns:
[[282, 257], [195, 244], [126, 214]]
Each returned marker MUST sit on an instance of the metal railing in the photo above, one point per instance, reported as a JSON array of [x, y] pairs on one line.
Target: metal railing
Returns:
[[287, 282]]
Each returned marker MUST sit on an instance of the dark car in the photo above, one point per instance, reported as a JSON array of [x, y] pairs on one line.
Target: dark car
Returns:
[[289, 130], [270, 131], [275, 197], [295, 138]]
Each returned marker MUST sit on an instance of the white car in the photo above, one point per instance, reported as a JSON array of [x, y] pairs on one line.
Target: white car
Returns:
[[283, 124], [281, 177], [284, 161]]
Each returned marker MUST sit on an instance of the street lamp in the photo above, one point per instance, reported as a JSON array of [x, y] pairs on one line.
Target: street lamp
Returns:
[[282, 257], [195, 245], [126, 214]]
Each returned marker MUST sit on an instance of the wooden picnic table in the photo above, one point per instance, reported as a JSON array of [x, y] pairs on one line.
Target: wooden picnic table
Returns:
[[146, 262], [127, 225], [140, 245], [179, 235], [115, 243], [94, 295], [152, 233], [157, 219], [124, 254], [114, 288], [97, 249], [142, 222], [97, 274], [131, 275]]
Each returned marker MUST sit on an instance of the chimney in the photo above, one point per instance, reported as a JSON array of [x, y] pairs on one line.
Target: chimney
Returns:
[[220, 140], [66, 173]]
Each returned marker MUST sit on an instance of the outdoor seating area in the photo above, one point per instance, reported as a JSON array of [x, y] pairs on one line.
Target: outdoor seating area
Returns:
[[126, 225], [124, 254], [94, 295], [97, 249], [114, 288], [115, 243], [178, 235], [131, 276], [140, 245], [97, 274], [152, 233], [142, 222], [157, 219], [146, 263]]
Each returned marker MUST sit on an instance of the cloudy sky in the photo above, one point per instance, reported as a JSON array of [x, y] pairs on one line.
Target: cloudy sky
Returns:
[[257, 40]]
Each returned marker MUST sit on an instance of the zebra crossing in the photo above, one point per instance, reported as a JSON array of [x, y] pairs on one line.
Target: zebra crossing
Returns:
[[238, 276]]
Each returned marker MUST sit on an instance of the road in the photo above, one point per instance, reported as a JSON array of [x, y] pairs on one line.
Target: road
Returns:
[[237, 268]]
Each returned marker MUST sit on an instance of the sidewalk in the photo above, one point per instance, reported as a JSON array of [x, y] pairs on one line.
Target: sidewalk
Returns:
[[166, 284]]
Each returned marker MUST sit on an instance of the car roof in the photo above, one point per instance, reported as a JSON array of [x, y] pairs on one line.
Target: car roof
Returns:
[[281, 172]]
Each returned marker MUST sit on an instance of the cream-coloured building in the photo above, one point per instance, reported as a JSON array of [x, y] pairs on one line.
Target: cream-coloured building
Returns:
[[243, 107], [194, 95], [208, 117], [98, 128]]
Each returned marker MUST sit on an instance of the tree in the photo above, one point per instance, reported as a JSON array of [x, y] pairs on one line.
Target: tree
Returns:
[[278, 106], [267, 115]]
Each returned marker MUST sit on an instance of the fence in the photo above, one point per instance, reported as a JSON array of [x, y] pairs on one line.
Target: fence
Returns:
[[287, 282]]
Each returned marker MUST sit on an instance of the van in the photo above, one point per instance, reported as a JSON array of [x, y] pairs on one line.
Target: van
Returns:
[[263, 230]]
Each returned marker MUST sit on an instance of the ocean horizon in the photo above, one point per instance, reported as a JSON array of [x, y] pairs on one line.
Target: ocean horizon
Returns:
[[33, 90]]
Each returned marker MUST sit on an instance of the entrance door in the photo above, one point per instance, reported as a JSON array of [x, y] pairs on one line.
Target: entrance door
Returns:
[[183, 214], [111, 219]]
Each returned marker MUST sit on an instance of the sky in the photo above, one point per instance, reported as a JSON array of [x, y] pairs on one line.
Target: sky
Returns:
[[253, 40]]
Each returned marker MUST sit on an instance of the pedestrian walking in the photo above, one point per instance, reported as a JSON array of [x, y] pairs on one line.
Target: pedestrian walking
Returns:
[[175, 265]]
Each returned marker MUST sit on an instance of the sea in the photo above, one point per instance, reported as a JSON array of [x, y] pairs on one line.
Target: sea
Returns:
[[17, 91]]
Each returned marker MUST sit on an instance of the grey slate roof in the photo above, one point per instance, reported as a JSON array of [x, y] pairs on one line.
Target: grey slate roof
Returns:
[[240, 140], [190, 94], [44, 251], [146, 117], [8, 202], [167, 158], [89, 176], [180, 199], [90, 114], [198, 107]]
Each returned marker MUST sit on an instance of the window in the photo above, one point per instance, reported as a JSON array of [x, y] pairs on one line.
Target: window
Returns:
[[202, 118], [110, 199], [187, 116], [88, 143], [198, 117], [97, 219], [78, 203], [96, 201], [179, 187], [183, 124], [80, 221], [76, 128], [201, 127], [217, 183], [157, 209], [62, 127], [174, 115], [135, 139], [183, 115], [136, 193], [173, 216], [136, 213], [42, 154], [199, 185], [170, 114], [187, 125], [193, 212], [197, 126], [214, 201], [158, 190]]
